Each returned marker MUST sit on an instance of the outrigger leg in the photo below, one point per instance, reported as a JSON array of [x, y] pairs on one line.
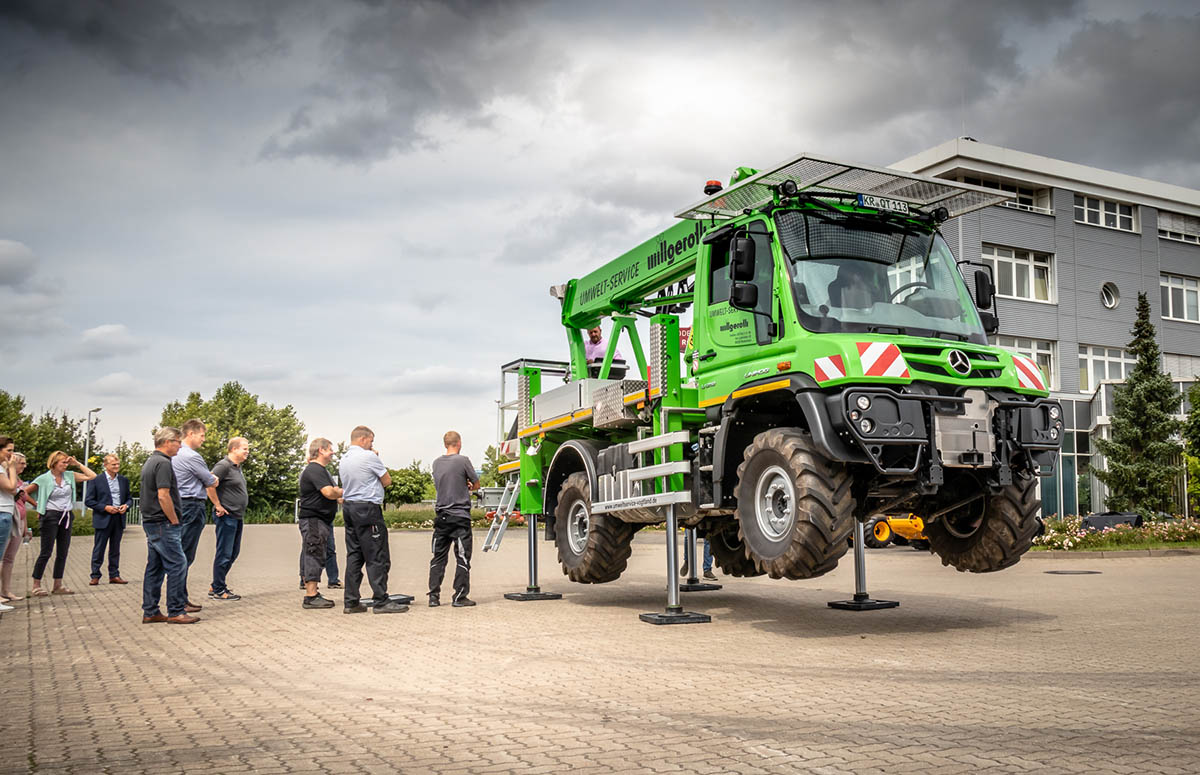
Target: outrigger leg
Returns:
[[674, 613], [862, 601], [693, 583], [533, 591]]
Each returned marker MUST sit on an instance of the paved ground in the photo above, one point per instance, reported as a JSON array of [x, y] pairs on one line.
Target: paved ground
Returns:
[[1009, 672]]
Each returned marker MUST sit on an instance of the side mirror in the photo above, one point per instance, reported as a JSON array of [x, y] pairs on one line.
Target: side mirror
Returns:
[[743, 259], [991, 324], [985, 292], [744, 296]]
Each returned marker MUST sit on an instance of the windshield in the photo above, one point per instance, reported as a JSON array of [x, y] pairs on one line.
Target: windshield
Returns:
[[864, 273]]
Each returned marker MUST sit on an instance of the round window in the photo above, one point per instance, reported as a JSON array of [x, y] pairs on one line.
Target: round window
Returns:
[[1110, 297]]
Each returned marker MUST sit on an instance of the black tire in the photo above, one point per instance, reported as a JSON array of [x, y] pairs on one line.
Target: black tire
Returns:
[[597, 550], [795, 511], [899, 540], [875, 527], [920, 544], [990, 537], [729, 553]]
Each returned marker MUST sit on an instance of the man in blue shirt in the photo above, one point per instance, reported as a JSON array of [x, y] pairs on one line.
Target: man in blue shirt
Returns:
[[194, 479], [363, 477]]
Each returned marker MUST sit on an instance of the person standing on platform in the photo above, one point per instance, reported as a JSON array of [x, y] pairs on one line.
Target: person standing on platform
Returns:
[[194, 479], [455, 478], [318, 507], [161, 506], [229, 500], [109, 498], [364, 477]]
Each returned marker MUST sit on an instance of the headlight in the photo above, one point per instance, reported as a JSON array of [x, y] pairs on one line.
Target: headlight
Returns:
[[1054, 413], [863, 402], [866, 425]]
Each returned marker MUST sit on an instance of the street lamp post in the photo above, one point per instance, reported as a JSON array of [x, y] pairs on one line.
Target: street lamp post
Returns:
[[87, 446]]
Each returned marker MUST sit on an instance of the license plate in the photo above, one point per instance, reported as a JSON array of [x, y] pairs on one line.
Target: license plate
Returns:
[[880, 203]]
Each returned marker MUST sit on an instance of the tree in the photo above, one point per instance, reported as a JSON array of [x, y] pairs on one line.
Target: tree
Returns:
[[1142, 451], [54, 430], [276, 439], [14, 422], [133, 457], [1191, 426], [489, 474], [409, 484]]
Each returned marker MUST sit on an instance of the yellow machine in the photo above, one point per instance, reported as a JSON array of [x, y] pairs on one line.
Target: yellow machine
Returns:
[[902, 531]]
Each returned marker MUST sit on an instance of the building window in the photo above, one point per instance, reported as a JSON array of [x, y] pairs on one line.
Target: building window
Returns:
[[1180, 297], [1110, 296], [1103, 212], [1100, 363], [1036, 200], [1176, 226], [1021, 274], [1037, 350]]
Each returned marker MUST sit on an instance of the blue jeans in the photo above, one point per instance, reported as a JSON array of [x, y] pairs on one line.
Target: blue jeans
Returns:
[[707, 555], [6, 523], [229, 546], [191, 524], [164, 556]]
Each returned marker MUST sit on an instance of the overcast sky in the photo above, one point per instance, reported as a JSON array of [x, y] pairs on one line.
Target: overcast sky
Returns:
[[357, 208]]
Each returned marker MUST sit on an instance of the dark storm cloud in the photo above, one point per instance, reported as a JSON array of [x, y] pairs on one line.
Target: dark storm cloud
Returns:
[[153, 39], [1120, 95], [394, 65]]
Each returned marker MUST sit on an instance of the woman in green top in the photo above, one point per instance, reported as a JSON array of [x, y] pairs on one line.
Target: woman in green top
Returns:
[[55, 493]]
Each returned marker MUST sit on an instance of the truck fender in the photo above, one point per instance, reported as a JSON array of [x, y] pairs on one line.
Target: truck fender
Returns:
[[573, 456]]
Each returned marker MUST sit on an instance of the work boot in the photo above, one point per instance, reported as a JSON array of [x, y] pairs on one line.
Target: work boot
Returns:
[[357, 608], [708, 574], [463, 602], [390, 607], [434, 601], [317, 601]]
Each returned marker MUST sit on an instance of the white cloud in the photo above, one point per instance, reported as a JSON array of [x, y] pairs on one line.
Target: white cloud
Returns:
[[107, 341], [118, 384]]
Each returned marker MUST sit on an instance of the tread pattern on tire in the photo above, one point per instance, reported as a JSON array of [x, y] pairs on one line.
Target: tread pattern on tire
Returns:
[[1009, 525], [824, 506], [609, 541]]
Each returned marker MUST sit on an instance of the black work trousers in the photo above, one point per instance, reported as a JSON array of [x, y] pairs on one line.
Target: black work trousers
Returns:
[[453, 532], [366, 545]]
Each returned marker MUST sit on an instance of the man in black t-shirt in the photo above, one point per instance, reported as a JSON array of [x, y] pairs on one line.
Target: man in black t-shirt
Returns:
[[318, 506], [161, 508], [454, 477]]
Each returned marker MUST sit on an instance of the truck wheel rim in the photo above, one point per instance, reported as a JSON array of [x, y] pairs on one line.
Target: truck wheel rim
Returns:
[[577, 527], [775, 503]]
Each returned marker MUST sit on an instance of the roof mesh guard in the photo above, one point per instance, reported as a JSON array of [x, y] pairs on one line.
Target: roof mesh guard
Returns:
[[817, 175]]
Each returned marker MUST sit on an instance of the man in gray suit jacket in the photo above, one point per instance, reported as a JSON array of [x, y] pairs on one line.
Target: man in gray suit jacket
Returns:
[[108, 497]]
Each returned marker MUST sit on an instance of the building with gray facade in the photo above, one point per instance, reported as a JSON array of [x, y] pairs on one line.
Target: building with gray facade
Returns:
[[1070, 255]]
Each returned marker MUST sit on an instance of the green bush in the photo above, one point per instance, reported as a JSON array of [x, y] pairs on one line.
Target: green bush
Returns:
[[81, 526]]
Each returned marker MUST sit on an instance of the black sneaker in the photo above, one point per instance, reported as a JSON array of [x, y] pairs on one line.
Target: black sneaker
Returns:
[[434, 601], [357, 608], [334, 585], [210, 592], [226, 595], [316, 601], [390, 607], [463, 602]]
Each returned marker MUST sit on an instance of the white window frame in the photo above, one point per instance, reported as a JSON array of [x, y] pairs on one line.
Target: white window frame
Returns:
[[1028, 197], [1092, 354], [1189, 291], [1105, 213], [1040, 351], [1010, 260]]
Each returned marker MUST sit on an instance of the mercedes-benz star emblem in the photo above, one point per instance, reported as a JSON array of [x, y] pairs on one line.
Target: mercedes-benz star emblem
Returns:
[[959, 362]]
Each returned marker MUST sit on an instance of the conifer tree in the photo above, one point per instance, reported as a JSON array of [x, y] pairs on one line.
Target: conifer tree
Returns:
[[1142, 452]]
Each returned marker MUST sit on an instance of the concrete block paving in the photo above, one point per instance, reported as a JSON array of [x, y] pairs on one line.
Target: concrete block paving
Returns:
[[1018, 671]]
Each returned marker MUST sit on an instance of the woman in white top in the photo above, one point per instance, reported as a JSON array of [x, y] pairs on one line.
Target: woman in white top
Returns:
[[8, 495], [55, 494]]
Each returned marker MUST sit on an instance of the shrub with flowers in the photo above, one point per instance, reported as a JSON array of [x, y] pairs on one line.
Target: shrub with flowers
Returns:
[[1068, 533]]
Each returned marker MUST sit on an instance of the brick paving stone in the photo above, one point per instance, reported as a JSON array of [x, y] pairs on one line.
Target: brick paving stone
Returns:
[[1017, 671]]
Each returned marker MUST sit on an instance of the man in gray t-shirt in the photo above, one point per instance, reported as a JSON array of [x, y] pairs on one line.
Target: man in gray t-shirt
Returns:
[[454, 477], [229, 499]]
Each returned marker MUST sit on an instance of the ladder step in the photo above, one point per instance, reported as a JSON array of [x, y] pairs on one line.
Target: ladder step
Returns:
[[709, 430], [706, 468], [708, 505]]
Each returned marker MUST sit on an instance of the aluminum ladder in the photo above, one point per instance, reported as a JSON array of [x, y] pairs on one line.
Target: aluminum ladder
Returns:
[[499, 524]]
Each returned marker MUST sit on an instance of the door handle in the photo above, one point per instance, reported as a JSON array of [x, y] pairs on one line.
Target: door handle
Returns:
[[708, 356]]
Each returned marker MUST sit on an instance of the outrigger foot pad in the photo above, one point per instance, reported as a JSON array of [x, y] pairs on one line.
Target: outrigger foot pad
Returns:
[[863, 603], [678, 617], [532, 595], [699, 586]]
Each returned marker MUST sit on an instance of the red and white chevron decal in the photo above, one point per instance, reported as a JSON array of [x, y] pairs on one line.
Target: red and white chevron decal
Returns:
[[880, 359], [1029, 375], [825, 369]]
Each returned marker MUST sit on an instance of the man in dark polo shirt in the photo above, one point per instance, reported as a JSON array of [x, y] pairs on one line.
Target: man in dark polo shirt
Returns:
[[318, 507], [160, 522], [454, 477], [229, 499]]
